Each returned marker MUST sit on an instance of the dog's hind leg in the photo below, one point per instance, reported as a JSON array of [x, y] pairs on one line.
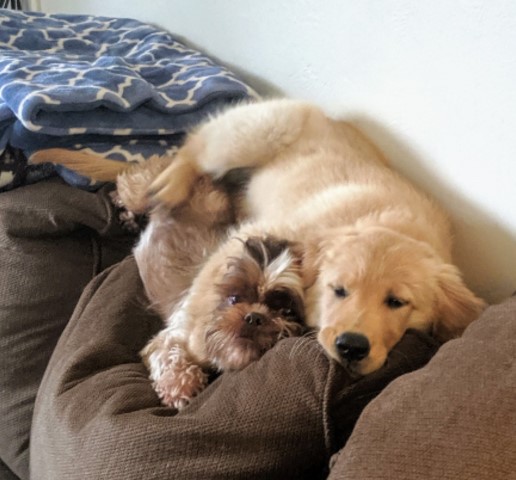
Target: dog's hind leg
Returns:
[[246, 136]]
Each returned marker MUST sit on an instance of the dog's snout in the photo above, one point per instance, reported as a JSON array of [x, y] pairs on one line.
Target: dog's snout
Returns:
[[254, 318], [352, 346]]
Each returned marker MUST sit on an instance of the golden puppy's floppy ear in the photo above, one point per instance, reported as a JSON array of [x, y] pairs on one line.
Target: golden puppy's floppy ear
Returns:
[[310, 263], [321, 248], [457, 306]]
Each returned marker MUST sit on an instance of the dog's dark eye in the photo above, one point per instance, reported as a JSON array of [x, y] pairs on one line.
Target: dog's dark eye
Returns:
[[340, 292], [278, 300], [283, 303], [394, 303], [233, 299]]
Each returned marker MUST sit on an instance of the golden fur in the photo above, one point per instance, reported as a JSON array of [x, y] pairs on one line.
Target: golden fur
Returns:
[[377, 251]]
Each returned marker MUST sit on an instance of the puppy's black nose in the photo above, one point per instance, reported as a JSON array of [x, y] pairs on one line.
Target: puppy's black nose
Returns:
[[352, 346], [254, 318]]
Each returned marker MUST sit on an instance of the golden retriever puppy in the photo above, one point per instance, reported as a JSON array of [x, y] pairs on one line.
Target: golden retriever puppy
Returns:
[[377, 250]]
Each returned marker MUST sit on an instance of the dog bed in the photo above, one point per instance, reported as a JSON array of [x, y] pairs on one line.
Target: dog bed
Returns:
[[97, 415], [53, 240]]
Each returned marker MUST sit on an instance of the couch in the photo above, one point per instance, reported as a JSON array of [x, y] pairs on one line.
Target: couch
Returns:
[[76, 402]]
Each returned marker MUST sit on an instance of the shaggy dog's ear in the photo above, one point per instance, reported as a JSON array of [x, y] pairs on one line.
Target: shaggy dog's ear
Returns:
[[457, 306]]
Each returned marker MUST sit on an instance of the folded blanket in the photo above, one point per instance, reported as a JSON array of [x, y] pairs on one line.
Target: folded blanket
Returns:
[[125, 86]]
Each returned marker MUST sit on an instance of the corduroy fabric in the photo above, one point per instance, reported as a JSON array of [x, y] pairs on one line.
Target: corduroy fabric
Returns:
[[282, 417], [53, 240], [455, 419]]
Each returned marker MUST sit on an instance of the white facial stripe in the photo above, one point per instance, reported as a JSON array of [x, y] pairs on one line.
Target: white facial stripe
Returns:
[[264, 253], [282, 272]]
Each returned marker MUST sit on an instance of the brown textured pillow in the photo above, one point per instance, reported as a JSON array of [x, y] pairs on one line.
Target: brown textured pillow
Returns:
[[53, 240], [454, 419], [282, 417]]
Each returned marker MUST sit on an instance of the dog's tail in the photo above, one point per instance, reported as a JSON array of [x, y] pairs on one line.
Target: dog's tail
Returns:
[[90, 165], [133, 179]]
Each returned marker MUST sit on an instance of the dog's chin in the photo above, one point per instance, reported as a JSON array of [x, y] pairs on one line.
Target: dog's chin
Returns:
[[354, 369], [235, 353], [361, 368]]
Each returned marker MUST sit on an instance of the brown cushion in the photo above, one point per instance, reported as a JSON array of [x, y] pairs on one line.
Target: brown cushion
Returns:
[[453, 419], [97, 415], [6, 473], [53, 240]]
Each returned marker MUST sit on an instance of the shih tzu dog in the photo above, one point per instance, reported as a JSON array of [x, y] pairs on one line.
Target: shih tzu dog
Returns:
[[223, 321], [228, 319]]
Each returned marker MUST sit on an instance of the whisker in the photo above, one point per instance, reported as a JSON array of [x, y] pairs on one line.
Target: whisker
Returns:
[[296, 347], [299, 346], [287, 328], [310, 333]]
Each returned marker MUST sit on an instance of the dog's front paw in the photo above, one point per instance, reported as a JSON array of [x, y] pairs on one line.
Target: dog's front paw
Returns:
[[176, 378], [176, 387], [173, 186]]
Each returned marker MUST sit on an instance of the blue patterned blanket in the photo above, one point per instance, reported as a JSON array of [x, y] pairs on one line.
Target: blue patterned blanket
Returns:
[[117, 86]]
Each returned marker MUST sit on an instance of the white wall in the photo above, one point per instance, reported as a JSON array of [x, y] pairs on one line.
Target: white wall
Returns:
[[433, 82]]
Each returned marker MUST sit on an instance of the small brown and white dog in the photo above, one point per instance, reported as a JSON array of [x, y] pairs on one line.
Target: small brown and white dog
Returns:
[[218, 323], [377, 252]]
